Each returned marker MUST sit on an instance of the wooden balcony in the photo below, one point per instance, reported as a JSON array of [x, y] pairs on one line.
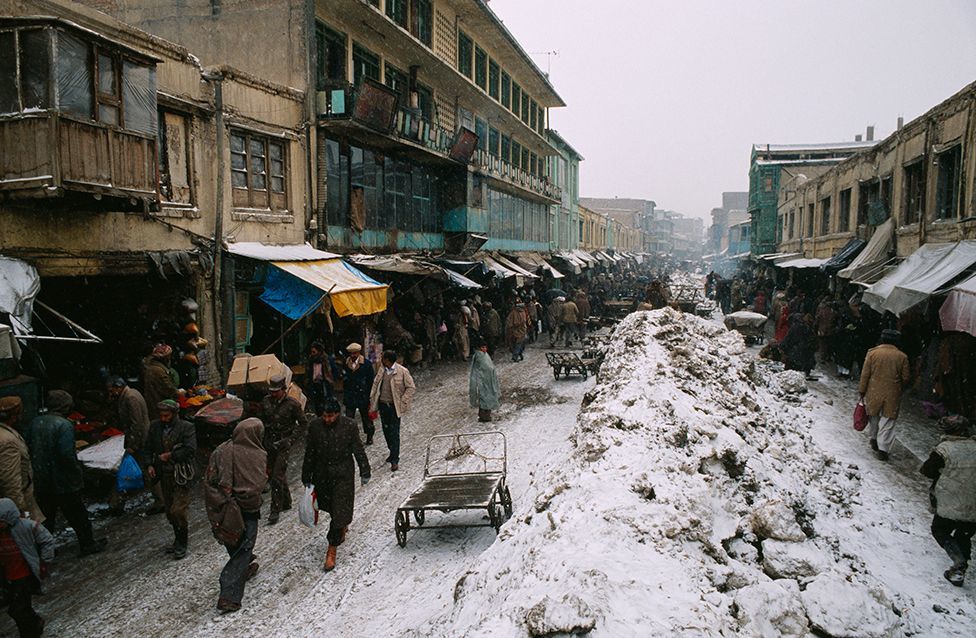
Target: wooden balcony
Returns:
[[495, 167], [50, 155]]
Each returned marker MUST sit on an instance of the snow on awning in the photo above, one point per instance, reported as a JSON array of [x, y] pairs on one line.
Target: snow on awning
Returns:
[[801, 263], [585, 257], [739, 256], [511, 265], [875, 254], [778, 256], [576, 264], [273, 252], [958, 313], [352, 291], [917, 264], [534, 261], [411, 266], [922, 285], [496, 268]]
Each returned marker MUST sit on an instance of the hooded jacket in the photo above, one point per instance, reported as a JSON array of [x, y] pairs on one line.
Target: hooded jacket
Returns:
[[240, 465], [34, 541], [484, 391], [16, 473], [52, 448]]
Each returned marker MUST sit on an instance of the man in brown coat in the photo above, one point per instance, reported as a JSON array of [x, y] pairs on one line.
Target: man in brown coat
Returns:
[[884, 376], [284, 422], [130, 414], [16, 473], [157, 384]]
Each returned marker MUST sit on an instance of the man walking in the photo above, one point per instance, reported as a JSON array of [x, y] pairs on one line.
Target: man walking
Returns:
[[358, 375], [16, 473], [131, 416], [57, 474], [333, 441], [952, 466], [284, 421], [492, 327], [570, 321], [884, 376], [237, 469], [554, 317], [157, 383], [516, 330], [484, 391], [392, 393], [25, 549], [172, 449]]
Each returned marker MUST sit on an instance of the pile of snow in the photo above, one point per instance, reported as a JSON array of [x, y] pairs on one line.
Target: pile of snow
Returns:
[[689, 506]]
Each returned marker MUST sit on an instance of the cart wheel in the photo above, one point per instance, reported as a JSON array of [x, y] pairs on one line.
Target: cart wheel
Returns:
[[496, 513], [555, 373], [419, 517], [585, 374], [400, 525], [507, 502]]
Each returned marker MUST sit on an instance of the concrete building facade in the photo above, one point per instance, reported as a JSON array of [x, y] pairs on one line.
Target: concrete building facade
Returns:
[[564, 173]]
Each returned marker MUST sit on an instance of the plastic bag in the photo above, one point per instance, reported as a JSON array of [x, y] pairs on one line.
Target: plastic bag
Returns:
[[308, 511], [129, 477], [860, 416]]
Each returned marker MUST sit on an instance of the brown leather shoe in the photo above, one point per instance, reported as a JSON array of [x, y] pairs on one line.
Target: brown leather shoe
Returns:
[[330, 558], [252, 571], [225, 606], [394, 467]]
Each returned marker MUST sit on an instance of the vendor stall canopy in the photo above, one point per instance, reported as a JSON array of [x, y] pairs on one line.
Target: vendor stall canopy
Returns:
[[928, 270], [958, 313], [412, 266], [301, 277], [874, 255], [843, 257]]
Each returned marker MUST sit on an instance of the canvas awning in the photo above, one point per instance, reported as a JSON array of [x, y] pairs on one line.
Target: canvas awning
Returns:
[[496, 268], [843, 257], [301, 276], [534, 261], [874, 254], [584, 256], [411, 266], [913, 291], [511, 265], [958, 312], [918, 263], [801, 263], [576, 264]]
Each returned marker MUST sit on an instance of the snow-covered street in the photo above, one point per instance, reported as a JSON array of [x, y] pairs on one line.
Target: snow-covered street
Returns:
[[692, 490]]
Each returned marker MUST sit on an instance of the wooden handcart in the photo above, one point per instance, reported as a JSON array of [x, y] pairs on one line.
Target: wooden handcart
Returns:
[[566, 363], [468, 476], [751, 325]]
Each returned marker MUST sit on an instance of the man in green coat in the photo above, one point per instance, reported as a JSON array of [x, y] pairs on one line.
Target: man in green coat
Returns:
[[484, 391], [57, 474]]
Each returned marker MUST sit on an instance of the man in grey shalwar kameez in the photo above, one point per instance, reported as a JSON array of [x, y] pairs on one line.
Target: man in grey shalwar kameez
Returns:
[[484, 391]]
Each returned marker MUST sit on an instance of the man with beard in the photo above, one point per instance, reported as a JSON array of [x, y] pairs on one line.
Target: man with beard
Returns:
[[332, 443]]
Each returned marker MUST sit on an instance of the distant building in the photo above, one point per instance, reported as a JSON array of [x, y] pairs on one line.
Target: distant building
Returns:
[[564, 173], [776, 166], [593, 229], [635, 214], [734, 205]]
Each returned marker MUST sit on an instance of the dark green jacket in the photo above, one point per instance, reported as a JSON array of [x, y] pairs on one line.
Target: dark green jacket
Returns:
[[180, 441], [51, 439]]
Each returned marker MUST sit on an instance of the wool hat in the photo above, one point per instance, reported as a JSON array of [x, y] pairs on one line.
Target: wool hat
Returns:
[[10, 406], [59, 401], [161, 351], [168, 405], [354, 347], [331, 406]]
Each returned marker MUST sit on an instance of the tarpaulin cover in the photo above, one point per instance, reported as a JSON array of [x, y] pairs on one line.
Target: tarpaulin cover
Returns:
[[19, 286], [923, 284], [918, 263], [535, 261], [352, 292], [272, 252], [139, 97], [879, 247], [575, 264], [466, 268], [844, 256], [396, 263], [106, 455], [511, 265], [496, 268], [801, 263], [289, 295], [460, 280], [74, 76], [958, 313]]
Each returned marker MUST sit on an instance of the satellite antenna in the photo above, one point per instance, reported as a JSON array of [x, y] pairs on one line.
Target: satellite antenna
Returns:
[[548, 55]]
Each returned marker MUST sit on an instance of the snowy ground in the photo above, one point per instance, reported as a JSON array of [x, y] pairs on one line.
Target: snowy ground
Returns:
[[695, 493], [378, 588]]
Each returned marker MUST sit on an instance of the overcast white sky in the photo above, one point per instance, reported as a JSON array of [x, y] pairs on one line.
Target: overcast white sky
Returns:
[[665, 98]]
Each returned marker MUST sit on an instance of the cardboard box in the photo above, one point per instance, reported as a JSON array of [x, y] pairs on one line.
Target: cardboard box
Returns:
[[253, 373], [295, 392]]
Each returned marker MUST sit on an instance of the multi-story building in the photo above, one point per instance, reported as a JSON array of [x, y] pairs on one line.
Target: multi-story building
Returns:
[[734, 205], [593, 229], [921, 176], [781, 166], [122, 159], [631, 213], [564, 174], [429, 119]]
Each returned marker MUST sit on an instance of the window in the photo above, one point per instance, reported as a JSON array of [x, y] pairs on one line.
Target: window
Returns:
[[481, 130], [257, 171], [533, 116], [75, 85], [493, 72], [810, 220], [481, 68], [465, 51], [506, 149], [526, 101], [844, 213], [9, 95], [868, 196], [506, 90], [493, 141], [174, 157], [516, 160], [108, 85], [768, 184], [35, 68], [525, 159], [425, 101], [914, 188], [397, 80], [365, 64], [396, 10], [825, 216], [330, 64], [533, 161], [542, 121], [516, 98], [947, 187], [791, 223], [422, 20]]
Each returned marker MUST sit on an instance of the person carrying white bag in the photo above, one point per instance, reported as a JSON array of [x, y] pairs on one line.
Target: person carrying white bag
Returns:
[[332, 444]]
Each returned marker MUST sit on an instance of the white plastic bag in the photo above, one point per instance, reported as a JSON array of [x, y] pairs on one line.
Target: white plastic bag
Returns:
[[308, 512]]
